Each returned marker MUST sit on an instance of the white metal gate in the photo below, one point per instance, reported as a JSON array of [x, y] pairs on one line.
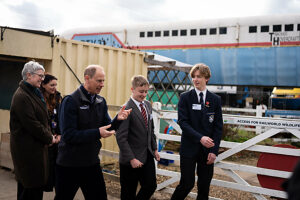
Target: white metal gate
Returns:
[[275, 126]]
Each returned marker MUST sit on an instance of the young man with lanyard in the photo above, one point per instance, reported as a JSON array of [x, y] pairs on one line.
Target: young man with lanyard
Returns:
[[200, 118]]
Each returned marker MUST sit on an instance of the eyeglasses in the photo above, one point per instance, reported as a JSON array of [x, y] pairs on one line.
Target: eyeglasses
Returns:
[[42, 76]]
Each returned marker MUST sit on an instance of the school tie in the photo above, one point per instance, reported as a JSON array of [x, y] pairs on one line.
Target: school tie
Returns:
[[144, 114], [201, 99]]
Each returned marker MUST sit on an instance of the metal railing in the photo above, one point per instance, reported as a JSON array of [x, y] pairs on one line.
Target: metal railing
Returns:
[[276, 126]]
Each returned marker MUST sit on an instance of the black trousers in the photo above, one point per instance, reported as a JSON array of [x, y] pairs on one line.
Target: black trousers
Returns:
[[187, 180], [146, 176], [29, 193], [52, 154], [89, 179]]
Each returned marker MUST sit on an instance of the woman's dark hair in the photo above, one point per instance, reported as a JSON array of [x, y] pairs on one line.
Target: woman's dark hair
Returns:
[[51, 99], [48, 78]]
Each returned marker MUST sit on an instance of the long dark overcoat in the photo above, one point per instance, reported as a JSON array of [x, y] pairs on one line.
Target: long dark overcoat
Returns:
[[30, 137]]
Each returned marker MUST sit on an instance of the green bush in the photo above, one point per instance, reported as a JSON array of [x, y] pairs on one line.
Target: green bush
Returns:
[[234, 134]]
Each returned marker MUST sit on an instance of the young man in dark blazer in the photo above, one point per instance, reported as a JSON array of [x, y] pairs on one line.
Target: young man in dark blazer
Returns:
[[200, 118], [137, 144]]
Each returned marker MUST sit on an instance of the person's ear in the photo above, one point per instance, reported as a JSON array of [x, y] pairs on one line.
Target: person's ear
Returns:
[[86, 77], [28, 75]]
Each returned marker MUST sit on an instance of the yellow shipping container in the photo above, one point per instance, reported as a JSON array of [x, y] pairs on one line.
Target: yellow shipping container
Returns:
[[61, 56]]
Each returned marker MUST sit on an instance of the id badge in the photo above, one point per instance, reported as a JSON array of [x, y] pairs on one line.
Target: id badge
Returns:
[[196, 107]]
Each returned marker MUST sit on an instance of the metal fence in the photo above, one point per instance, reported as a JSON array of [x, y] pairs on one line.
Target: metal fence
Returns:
[[276, 126]]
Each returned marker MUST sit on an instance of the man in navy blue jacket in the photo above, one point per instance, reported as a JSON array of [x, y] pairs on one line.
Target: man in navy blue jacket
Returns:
[[84, 120], [200, 118]]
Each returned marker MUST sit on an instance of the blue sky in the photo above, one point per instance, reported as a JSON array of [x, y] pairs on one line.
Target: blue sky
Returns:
[[62, 15]]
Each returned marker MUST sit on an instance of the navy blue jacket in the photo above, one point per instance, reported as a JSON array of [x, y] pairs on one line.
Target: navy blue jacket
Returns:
[[80, 118], [198, 123]]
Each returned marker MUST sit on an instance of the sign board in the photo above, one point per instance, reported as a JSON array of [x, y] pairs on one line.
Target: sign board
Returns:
[[264, 121]]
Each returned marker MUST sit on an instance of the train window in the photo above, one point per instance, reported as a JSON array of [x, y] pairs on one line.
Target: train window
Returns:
[[289, 27], [276, 28], [212, 31], [149, 34], [174, 32], [142, 34], [264, 29], [298, 27], [193, 31], [202, 31], [157, 33], [222, 30], [252, 29], [183, 32], [166, 33]]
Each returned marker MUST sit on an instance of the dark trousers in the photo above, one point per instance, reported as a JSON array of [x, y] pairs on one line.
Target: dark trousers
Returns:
[[52, 154], [146, 176], [29, 193], [187, 180], [89, 179]]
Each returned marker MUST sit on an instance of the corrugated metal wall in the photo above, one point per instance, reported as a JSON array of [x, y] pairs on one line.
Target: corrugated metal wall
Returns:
[[119, 64]]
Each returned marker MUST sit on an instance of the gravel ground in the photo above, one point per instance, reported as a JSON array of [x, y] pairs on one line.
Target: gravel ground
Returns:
[[113, 187], [8, 184]]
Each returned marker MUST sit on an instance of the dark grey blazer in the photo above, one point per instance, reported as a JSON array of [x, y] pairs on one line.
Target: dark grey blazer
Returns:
[[133, 138]]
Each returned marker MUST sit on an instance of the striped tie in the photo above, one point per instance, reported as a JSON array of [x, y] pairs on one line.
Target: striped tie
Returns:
[[144, 114]]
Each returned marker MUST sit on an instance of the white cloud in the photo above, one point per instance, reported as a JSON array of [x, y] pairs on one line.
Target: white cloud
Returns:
[[283, 6], [63, 15], [202, 9], [7, 18]]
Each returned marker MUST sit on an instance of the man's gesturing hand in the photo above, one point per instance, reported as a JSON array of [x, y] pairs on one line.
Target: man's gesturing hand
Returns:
[[123, 114], [207, 142], [106, 133]]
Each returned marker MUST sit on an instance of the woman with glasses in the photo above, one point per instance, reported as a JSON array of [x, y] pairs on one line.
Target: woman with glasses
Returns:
[[52, 98], [30, 134]]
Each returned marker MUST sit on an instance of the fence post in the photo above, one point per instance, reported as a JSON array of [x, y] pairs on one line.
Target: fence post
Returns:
[[156, 120], [156, 107], [259, 112]]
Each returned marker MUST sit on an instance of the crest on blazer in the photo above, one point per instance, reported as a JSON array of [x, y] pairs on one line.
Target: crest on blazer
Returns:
[[211, 118]]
